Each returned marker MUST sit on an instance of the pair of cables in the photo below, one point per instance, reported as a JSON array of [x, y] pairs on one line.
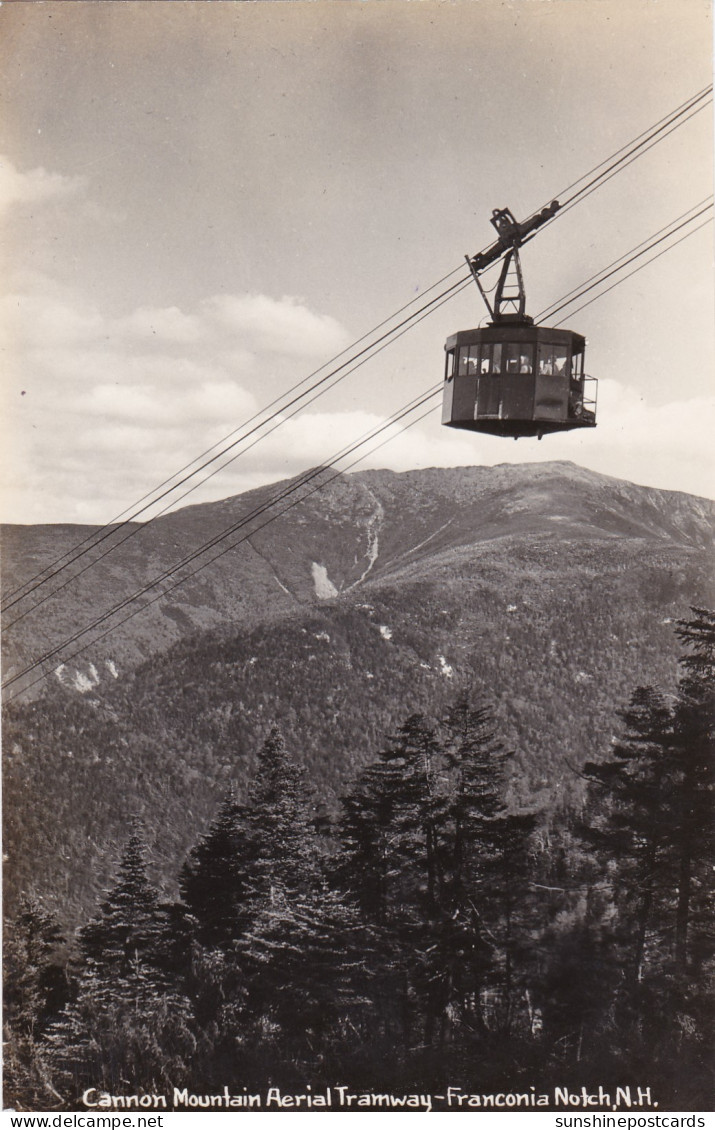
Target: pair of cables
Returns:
[[704, 208], [618, 161]]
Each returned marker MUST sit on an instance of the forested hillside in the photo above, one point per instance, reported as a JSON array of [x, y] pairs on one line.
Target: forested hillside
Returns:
[[546, 591], [433, 935]]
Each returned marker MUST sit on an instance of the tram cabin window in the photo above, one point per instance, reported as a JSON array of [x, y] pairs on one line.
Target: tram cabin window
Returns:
[[511, 357], [561, 358], [553, 360], [468, 360], [517, 357], [450, 365], [546, 361]]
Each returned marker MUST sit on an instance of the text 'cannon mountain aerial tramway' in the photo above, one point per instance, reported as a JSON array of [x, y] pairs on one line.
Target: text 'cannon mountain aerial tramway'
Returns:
[[512, 377]]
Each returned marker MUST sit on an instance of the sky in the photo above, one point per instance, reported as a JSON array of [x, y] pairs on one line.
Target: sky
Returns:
[[204, 202]]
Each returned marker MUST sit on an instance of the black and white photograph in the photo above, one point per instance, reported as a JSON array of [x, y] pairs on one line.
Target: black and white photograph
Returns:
[[358, 600]]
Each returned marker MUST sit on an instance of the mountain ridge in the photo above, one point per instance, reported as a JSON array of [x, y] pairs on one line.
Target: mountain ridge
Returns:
[[357, 529]]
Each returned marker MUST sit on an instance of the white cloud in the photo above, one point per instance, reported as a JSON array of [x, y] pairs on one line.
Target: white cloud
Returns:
[[208, 401], [99, 409], [32, 320], [273, 326], [665, 445], [34, 186], [168, 325]]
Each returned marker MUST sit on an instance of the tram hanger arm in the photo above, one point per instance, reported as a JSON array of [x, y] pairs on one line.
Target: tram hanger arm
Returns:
[[511, 234]]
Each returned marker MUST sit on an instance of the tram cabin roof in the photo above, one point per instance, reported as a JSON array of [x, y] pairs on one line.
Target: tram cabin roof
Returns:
[[517, 331]]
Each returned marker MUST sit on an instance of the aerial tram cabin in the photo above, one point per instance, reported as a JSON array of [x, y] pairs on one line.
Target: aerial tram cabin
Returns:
[[512, 378]]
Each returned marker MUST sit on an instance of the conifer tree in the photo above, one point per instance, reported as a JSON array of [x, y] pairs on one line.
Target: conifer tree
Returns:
[[365, 864], [283, 848], [131, 1034], [128, 928], [476, 759], [650, 812], [390, 832], [392, 864], [489, 862], [127, 1024], [214, 880], [693, 830], [630, 812], [306, 959], [242, 885], [652, 806], [36, 986]]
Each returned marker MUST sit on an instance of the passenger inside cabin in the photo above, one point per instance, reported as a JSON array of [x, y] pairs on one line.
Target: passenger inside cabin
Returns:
[[575, 401], [577, 411], [546, 362], [560, 360]]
